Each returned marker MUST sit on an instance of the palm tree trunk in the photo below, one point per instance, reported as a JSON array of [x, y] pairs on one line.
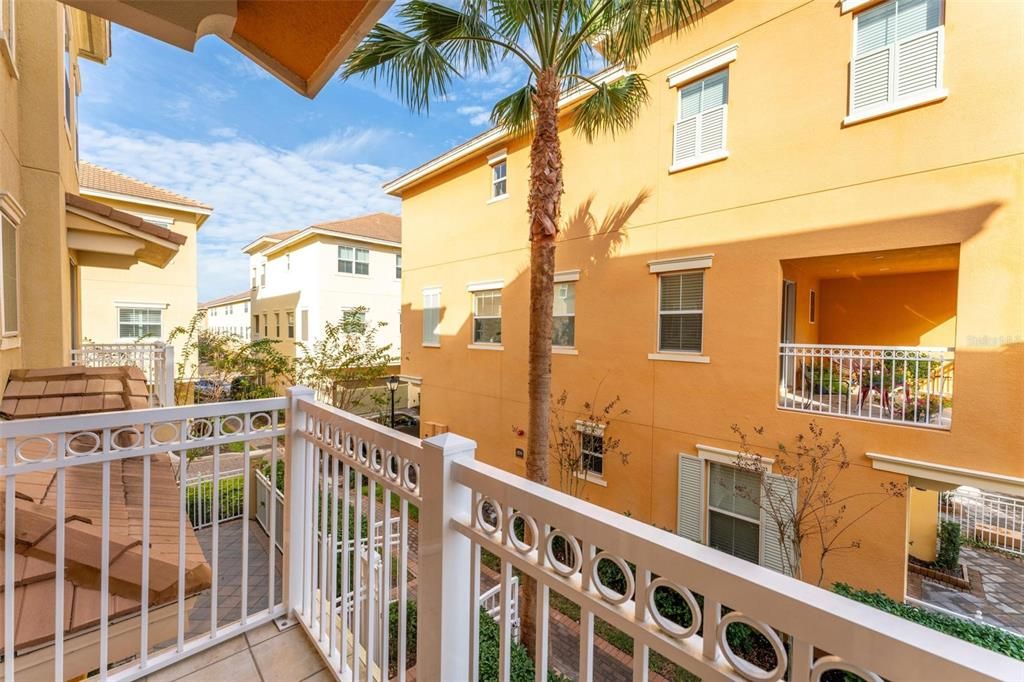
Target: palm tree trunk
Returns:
[[544, 208]]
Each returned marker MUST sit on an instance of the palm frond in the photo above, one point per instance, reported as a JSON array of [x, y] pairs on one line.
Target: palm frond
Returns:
[[632, 25], [612, 108], [462, 36], [412, 66], [514, 113]]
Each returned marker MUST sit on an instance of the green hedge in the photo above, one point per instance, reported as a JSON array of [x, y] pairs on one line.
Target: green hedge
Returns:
[[949, 545], [985, 636], [199, 499]]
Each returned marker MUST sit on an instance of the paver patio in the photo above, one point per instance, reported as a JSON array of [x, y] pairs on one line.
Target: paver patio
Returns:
[[1000, 598]]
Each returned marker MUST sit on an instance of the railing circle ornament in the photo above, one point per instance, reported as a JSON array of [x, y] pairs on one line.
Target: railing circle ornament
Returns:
[[607, 593], [350, 445], [563, 569], [410, 475], [82, 443], [163, 433], [829, 663], [231, 425], [363, 452], [128, 437], [746, 669], [667, 626], [393, 467], [38, 449], [531, 526], [377, 460], [261, 421], [482, 520], [199, 429]]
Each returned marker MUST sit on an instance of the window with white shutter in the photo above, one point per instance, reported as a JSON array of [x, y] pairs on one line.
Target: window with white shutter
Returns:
[[431, 317], [699, 134], [897, 56]]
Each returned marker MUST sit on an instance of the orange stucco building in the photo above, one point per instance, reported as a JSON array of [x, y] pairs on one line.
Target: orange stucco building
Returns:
[[816, 194]]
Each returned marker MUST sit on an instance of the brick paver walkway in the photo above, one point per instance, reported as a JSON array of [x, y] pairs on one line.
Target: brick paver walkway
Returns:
[[999, 598]]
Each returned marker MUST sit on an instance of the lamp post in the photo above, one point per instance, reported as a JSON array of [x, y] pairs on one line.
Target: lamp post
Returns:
[[392, 385]]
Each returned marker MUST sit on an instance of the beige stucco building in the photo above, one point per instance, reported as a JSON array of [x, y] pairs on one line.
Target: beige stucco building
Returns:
[[229, 315]]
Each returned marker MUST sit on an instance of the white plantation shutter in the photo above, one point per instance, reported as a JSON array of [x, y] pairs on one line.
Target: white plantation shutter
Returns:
[[431, 315], [898, 52], [782, 493], [690, 506], [700, 128]]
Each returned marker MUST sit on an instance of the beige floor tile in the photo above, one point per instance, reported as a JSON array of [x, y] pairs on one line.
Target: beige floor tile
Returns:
[[320, 676], [200, 660], [263, 633], [289, 657], [237, 668]]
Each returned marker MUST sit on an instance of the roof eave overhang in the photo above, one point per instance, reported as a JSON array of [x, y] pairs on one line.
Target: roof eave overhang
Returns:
[[320, 232], [205, 211], [569, 100], [947, 475]]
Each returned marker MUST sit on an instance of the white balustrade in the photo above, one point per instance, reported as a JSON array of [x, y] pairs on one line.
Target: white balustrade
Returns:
[[156, 360], [990, 518], [335, 465], [910, 385]]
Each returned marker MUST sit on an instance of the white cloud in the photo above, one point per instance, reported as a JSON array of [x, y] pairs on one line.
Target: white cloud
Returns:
[[244, 68], [223, 132], [478, 116], [253, 188]]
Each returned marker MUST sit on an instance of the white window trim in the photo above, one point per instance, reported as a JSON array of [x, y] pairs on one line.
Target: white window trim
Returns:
[[493, 160], [847, 6], [135, 305], [485, 346], [474, 317], [679, 356], [14, 213], [702, 67], [430, 291], [473, 287], [669, 266], [665, 265], [592, 429], [927, 97], [565, 350], [567, 276], [723, 456], [704, 160], [339, 260]]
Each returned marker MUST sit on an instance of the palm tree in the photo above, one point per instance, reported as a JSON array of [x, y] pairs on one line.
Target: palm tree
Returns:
[[555, 40]]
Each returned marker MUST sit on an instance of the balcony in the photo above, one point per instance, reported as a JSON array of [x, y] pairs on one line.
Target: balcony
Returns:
[[156, 360], [96, 526]]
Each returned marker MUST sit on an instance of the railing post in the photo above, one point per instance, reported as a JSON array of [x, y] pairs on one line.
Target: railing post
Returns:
[[166, 376], [295, 474], [442, 632]]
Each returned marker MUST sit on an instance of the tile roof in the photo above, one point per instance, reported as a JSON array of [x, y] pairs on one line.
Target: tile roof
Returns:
[[126, 219], [384, 226], [73, 390], [106, 180], [244, 295]]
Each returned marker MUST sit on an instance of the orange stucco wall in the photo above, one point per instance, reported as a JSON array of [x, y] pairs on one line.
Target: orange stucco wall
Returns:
[[797, 184]]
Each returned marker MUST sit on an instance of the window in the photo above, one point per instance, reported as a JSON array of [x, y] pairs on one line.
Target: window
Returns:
[[812, 309], [487, 316], [591, 451], [563, 331], [254, 278], [9, 263], [67, 69], [398, 266], [263, 275], [138, 323], [734, 511], [701, 121], [291, 324], [266, 329], [277, 325], [245, 307], [431, 317], [897, 56], [7, 38], [353, 261], [305, 325], [354, 321], [288, 262], [681, 312], [256, 325], [499, 179]]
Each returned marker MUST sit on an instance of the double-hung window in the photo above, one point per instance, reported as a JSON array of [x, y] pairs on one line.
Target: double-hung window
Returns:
[[701, 121], [487, 316], [681, 311], [431, 317], [897, 57], [263, 275], [352, 260], [9, 281], [499, 179], [139, 322], [398, 266], [256, 326], [291, 324], [277, 325], [563, 330], [591, 450], [734, 511], [266, 331]]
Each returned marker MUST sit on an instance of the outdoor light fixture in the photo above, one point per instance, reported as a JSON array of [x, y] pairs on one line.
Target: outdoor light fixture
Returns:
[[392, 384]]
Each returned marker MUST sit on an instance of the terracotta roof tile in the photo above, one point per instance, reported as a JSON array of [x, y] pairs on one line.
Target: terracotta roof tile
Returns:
[[244, 295], [383, 226], [126, 219], [106, 180], [73, 390]]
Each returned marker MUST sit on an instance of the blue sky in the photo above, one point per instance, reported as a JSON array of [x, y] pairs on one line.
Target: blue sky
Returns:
[[214, 126]]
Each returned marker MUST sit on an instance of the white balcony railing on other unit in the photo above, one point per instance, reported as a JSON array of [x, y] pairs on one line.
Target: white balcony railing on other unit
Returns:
[[896, 384], [449, 509], [991, 518], [156, 360]]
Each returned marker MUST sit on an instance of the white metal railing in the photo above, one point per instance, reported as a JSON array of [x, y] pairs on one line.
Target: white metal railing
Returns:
[[203, 493], [896, 384], [263, 512], [156, 360], [991, 518], [463, 507], [490, 601]]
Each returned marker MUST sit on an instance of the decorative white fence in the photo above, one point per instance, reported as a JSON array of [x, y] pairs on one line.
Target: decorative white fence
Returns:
[[263, 513], [156, 360], [896, 384], [490, 601], [994, 519], [464, 506], [203, 493]]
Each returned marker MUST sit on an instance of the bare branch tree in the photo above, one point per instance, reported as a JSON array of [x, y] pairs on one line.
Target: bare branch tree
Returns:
[[570, 430], [817, 518]]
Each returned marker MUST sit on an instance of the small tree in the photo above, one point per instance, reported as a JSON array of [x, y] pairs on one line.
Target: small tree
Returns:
[[817, 516], [346, 363], [570, 429]]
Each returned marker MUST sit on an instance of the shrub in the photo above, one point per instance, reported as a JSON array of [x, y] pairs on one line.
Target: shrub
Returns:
[[980, 634], [949, 545], [199, 499]]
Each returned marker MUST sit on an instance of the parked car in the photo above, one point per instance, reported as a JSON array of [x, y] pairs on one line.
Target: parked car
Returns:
[[407, 421], [211, 390]]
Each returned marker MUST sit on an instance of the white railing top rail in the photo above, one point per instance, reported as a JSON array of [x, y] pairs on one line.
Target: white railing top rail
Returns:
[[389, 457], [32, 444], [862, 636], [851, 346]]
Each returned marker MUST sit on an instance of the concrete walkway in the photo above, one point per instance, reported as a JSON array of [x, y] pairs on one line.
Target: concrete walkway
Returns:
[[999, 598]]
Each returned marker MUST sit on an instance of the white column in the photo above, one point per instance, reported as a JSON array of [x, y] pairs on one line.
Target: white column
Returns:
[[295, 480], [443, 641]]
